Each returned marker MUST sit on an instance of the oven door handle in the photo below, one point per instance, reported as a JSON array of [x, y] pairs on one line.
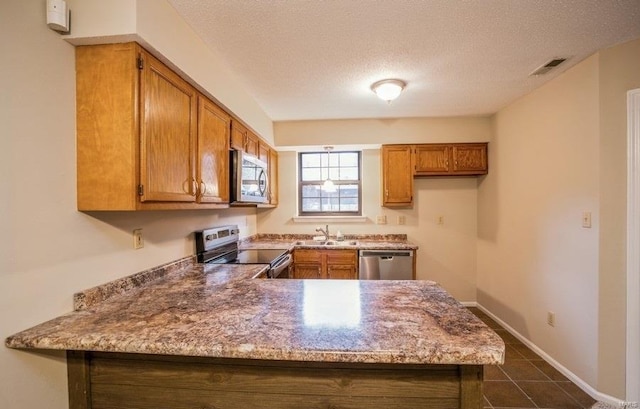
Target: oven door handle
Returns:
[[279, 268]]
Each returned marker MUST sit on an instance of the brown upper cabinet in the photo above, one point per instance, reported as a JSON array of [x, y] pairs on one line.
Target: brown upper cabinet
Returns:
[[400, 163], [214, 127], [136, 131], [470, 159], [167, 133], [464, 159], [263, 152], [251, 144], [146, 138], [238, 135], [273, 177], [242, 139], [431, 159], [397, 176]]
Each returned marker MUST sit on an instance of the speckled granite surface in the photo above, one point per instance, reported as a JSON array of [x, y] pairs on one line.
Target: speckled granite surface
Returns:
[[351, 241], [294, 237], [219, 311], [98, 294]]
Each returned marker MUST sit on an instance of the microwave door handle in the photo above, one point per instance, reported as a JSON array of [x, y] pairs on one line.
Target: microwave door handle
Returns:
[[262, 186]]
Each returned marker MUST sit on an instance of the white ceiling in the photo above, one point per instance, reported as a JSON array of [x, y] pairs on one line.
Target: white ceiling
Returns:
[[311, 59]]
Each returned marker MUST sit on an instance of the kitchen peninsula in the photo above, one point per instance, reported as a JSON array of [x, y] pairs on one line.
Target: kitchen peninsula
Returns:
[[189, 335]]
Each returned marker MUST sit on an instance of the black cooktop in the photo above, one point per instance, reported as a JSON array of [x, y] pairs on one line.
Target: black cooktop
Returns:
[[260, 256]]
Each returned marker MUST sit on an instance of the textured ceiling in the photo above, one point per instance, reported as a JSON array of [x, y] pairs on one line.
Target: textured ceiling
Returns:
[[317, 59]]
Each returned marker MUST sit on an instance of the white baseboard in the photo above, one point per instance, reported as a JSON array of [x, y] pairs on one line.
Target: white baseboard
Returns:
[[599, 396]]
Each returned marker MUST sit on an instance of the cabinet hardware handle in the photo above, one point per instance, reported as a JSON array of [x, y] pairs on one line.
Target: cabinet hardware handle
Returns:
[[185, 187], [203, 188], [194, 186]]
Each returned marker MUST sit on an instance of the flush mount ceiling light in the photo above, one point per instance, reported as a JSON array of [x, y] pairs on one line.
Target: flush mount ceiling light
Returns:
[[388, 90]]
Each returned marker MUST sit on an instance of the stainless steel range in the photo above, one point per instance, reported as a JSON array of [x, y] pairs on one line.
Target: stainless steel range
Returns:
[[220, 245]]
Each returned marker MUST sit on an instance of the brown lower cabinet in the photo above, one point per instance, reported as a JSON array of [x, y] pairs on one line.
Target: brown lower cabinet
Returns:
[[136, 381], [333, 264]]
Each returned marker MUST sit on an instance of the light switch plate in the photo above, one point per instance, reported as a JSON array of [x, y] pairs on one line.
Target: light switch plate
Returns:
[[138, 239]]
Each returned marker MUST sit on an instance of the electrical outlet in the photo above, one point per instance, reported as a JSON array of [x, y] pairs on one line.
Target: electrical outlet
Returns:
[[440, 220], [551, 318], [586, 220], [138, 239], [381, 219], [402, 220]]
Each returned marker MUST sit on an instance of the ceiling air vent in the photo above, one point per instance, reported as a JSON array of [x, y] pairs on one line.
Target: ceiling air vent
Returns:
[[548, 66]]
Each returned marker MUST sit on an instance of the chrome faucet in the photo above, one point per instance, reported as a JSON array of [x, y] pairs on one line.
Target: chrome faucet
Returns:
[[325, 231]]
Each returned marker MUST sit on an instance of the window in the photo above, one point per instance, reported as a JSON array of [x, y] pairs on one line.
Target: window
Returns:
[[343, 168]]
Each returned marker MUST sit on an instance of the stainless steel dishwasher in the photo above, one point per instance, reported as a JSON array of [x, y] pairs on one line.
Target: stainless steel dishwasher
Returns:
[[386, 265]]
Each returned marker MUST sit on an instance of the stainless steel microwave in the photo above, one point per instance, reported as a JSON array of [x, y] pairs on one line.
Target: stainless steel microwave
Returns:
[[250, 180]]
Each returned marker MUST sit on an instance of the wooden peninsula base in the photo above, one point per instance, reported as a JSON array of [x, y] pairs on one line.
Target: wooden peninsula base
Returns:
[[137, 381]]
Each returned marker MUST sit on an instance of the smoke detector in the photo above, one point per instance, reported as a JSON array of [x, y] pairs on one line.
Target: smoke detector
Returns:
[[548, 66]]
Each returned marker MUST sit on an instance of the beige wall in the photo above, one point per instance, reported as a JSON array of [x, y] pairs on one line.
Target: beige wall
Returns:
[[556, 153], [533, 254], [619, 73], [37, 208], [447, 252], [381, 131]]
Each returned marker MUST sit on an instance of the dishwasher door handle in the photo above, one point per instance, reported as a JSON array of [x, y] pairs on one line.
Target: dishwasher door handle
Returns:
[[385, 253]]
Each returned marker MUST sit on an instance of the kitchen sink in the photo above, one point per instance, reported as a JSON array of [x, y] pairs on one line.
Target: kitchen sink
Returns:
[[325, 243]]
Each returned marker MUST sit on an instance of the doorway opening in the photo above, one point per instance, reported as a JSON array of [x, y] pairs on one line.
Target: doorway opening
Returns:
[[633, 246]]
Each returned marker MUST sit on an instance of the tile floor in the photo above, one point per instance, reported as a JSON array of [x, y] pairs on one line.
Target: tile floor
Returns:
[[526, 380]]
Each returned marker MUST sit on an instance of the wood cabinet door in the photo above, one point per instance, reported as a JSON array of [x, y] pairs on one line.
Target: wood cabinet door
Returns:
[[341, 257], [167, 134], [341, 272], [397, 176], [341, 264], [432, 160], [251, 144], [238, 135], [107, 86], [307, 256], [263, 152], [307, 271], [214, 127], [273, 177], [470, 159]]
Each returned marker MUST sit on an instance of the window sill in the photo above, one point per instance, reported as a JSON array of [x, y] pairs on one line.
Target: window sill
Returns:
[[330, 219]]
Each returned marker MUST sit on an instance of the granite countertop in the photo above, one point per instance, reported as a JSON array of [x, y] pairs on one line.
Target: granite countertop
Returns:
[[358, 242], [192, 309]]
